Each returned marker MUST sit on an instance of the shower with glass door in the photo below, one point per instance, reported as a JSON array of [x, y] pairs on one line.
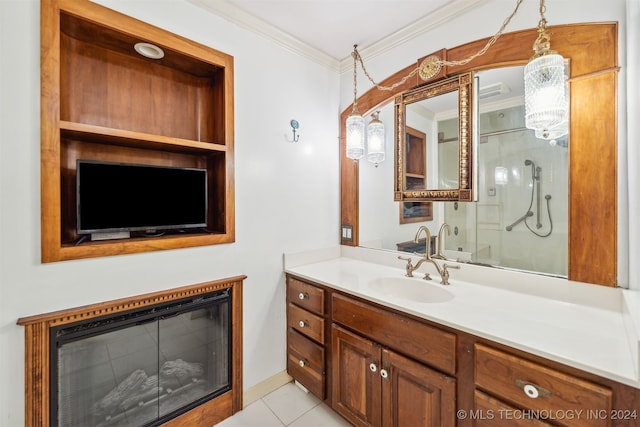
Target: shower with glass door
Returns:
[[520, 219]]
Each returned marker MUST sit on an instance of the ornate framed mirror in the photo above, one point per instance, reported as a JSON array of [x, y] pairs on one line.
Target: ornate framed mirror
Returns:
[[443, 112]]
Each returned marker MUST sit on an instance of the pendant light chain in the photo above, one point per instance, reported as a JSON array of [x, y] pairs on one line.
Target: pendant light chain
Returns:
[[439, 62], [543, 9], [355, 55]]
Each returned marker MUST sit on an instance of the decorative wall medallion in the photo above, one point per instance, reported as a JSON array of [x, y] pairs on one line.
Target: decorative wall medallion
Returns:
[[430, 67]]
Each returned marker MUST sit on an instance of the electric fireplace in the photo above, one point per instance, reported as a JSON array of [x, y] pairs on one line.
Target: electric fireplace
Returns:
[[142, 361]]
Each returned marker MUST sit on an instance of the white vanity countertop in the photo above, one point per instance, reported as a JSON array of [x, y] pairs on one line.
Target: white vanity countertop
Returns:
[[594, 329]]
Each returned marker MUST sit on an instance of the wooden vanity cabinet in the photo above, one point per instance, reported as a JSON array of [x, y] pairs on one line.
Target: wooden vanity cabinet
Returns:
[[374, 384], [305, 335], [389, 368]]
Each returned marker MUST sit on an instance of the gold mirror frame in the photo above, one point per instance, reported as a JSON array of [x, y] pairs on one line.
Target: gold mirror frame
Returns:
[[462, 83]]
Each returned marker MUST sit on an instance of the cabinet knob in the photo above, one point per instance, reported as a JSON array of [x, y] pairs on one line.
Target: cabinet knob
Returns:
[[302, 363], [532, 391], [373, 367], [384, 374], [302, 324], [302, 296]]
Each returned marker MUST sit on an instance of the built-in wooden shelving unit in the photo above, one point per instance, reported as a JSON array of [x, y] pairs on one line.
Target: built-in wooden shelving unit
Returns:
[[103, 101]]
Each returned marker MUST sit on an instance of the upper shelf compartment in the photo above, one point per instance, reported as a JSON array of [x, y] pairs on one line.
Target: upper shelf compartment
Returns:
[[105, 82]]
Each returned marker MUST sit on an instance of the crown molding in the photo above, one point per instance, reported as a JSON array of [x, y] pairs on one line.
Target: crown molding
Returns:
[[250, 22], [436, 18], [243, 19]]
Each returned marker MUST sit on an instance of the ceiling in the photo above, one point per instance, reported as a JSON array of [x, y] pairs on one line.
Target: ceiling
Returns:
[[326, 30]]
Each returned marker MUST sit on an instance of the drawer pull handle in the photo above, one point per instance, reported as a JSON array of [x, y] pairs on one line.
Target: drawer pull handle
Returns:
[[384, 374], [303, 295], [373, 367], [303, 324], [531, 390], [303, 363]]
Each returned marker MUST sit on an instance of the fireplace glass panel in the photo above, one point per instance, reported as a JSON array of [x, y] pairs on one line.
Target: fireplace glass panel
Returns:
[[143, 370], [190, 342]]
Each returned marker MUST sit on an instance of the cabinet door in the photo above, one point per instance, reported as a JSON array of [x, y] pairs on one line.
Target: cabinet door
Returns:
[[356, 379], [414, 395]]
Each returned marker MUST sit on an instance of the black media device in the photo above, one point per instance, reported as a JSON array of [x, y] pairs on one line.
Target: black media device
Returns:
[[117, 198]]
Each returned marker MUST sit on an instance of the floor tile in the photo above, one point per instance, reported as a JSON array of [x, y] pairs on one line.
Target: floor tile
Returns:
[[257, 414], [289, 402], [320, 416]]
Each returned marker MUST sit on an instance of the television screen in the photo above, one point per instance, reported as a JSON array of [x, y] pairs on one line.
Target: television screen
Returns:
[[128, 197]]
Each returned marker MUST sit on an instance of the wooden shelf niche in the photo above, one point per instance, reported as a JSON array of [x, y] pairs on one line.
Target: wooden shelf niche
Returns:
[[416, 159], [103, 101]]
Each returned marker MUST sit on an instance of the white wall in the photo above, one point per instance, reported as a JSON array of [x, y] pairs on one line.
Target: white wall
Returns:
[[484, 22], [287, 195]]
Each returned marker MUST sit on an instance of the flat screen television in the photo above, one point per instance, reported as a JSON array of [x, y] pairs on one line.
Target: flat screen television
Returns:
[[122, 197]]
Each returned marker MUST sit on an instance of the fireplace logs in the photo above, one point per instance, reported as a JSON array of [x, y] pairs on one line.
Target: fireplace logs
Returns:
[[139, 388]]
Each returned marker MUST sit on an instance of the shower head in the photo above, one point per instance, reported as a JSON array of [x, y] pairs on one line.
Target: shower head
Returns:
[[535, 171]]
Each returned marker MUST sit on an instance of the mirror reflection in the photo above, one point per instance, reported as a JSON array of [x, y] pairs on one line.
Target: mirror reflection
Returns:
[[428, 163], [520, 220]]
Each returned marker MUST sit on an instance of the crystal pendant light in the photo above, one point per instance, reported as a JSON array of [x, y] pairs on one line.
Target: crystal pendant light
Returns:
[[556, 132], [355, 121], [546, 105], [375, 140], [355, 135]]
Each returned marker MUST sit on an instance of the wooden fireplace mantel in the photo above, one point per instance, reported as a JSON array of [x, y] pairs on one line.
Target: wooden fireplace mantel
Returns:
[[37, 351]]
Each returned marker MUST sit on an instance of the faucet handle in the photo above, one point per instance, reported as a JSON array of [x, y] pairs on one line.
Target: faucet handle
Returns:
[[409, 267], [445, 272]]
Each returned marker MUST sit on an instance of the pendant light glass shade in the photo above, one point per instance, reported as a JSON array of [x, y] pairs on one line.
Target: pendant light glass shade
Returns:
[[355, 136], [375, 140], [355, 122], [546, 105]]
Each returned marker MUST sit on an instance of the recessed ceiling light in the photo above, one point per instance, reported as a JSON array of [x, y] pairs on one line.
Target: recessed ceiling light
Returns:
[[149, 50]]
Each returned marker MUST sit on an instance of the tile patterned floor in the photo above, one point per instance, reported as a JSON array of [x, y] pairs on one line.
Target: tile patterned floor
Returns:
[[287, 406]]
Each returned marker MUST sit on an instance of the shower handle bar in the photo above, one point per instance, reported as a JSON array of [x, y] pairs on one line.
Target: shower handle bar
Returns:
[[519, 220], [536, 177]]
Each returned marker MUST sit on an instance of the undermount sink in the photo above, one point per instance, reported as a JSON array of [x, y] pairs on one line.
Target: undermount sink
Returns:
[[415, 290]]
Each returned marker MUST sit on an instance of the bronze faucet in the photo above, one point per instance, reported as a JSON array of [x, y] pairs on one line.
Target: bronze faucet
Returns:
[[439, 254], [443, 271]]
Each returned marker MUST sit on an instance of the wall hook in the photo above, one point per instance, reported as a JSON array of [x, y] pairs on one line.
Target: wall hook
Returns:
[[294, 126]]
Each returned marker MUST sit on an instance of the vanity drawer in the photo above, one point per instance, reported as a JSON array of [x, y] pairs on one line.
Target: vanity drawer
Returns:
[[305, 362], [306, 323], [492, 412], [417, 340], [305, 295], [540, 388]]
